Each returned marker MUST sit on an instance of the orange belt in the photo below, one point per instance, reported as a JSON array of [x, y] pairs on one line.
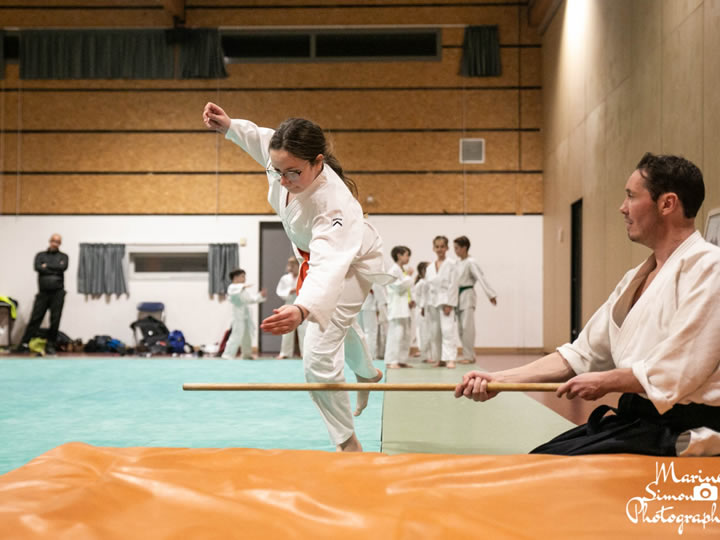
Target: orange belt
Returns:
[[304, 267]]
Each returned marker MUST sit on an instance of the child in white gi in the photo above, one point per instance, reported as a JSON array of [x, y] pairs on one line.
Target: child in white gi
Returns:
[[441, 304], [286, 289], [368, 319], [422, 329], [397, 346], [341, 253], [242, 323], [468, 274]]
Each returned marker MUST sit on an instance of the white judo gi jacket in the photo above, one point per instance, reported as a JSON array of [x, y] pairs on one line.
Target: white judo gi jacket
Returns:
[[398, 294], [241, 298], [286, 284], [442, 287], [670, 338], [468, 273], [324, 220]]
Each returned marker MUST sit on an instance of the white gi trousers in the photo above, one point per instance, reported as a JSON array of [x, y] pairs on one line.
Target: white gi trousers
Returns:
[[397, 345], [422, 328], [240, 338], [326, 352], [443, 334], [466, 328], [369, 323], [287, 344]]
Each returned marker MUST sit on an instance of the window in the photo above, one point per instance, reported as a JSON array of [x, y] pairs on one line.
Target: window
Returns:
[[319, 45], [170, 262], [158, 262]]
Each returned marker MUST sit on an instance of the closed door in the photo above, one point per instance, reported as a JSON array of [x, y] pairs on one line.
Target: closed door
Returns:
[[275, 248]]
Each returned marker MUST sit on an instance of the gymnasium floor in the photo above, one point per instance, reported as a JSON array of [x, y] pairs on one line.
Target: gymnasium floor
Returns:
[[129, 401], [121, 402]]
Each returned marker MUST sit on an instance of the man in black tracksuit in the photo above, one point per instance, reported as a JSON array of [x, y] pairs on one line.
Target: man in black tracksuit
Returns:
[[50, 266]]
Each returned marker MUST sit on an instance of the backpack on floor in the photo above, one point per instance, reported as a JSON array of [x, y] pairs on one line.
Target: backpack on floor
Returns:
[[154, 332], [176, 342]]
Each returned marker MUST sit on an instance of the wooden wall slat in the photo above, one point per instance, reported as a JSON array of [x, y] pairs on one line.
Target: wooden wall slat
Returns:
[[530, 190], [197, 152], [532, 151], [530, 66], [247, 194], [75, 18], [117, 194], [531, 108], [333, 110]]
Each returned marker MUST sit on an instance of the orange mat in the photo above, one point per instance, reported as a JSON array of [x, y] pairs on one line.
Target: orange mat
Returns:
[[77, 491]]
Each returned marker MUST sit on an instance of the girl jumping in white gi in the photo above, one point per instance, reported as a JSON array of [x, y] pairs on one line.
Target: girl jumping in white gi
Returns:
[[341, 253]]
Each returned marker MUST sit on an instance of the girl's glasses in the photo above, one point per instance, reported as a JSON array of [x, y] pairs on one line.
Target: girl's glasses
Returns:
[[292, 175]]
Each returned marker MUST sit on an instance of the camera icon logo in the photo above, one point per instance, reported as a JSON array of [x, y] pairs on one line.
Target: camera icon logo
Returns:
[[705, 492]]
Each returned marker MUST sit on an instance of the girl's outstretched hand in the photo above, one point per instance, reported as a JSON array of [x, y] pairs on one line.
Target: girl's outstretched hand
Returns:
[[284, 319], [215, 118]]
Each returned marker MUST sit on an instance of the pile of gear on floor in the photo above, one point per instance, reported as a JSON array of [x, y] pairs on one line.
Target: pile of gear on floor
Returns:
[[152, 338]]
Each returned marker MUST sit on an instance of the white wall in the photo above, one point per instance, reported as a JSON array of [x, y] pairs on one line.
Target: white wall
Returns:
[[508, 248]]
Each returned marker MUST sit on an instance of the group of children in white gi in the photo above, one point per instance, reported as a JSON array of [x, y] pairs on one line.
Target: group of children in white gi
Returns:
[[439, 304]]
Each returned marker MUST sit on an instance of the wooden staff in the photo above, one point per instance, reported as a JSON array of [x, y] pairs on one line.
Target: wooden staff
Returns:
[[382, 387]]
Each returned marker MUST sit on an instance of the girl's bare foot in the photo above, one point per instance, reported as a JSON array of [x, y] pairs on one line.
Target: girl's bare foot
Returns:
[[364, 395], [451, 365]]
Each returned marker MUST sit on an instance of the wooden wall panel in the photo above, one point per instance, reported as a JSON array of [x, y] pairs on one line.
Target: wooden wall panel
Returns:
[[77, 18], [347, 110], [243, 194], [530, 194], [422, 151], [197, 152], [118, 152], [491, 191], [421, 194], [532, 151], [139, 146], [531, 108], [391, 74], [117, 194], [530, 66]]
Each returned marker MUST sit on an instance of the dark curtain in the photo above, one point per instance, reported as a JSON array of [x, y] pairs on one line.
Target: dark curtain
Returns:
[[222, 258], [201, 54], [95, 54], [2, 54], [101, 269], [481, 52]]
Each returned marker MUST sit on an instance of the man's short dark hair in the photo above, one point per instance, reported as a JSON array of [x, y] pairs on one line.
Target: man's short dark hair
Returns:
[[462, 241], [399, 250], [440, 237], [236, 272], [673, 174]]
